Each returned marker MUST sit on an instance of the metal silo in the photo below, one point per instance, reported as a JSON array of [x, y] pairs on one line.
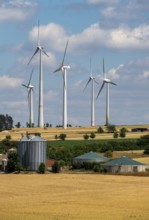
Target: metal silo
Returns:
[[32, 152]]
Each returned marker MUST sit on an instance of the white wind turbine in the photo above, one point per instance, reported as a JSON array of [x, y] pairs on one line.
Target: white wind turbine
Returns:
[[92, 80], [63, 68], [40, 106], [107, 82], [30, 100]]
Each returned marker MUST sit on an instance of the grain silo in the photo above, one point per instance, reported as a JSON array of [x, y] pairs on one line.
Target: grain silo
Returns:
[[32, 151]]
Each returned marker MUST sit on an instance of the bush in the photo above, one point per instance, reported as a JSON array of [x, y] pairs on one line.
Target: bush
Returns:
[[62, 137], [19, 167], [146, 151], [108, 154], [115, 135], [123, 132], [100, 130], [12, 162], [86, 136], [42, 168], [92, 135], [111, 128], [56, 167]]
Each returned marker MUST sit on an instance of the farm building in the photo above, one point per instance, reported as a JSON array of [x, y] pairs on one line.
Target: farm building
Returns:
[[32, 151], [124, 165], [90, 157]]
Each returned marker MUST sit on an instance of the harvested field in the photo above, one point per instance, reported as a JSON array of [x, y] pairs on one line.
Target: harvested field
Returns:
[[73, 133], [73, 197]]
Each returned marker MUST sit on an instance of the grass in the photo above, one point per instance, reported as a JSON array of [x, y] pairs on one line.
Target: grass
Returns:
[[73, 197]]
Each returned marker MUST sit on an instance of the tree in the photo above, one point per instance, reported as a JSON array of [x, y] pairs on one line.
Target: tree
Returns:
[[42, 168], [100, 130], [115, 135], [62, 137], [12, 162], [6, 122], [111, 128], [56, 167], [18, 125], [123, 132], [92, 135], [108, 153], [86, 136]]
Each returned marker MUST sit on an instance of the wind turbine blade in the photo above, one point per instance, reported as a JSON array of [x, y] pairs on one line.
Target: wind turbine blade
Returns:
[[44, 52], [113, 83], [57, 70], [33, 55], [25, 86], [65, 53], [100, 89], [96, 81], [30, 77], [87, 84], [38, 33]]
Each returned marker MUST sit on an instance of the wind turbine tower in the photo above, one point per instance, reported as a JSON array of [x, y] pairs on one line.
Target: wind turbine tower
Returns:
[[92, 80], [40, 105], [63, 68], [30, 100], [106, 82]]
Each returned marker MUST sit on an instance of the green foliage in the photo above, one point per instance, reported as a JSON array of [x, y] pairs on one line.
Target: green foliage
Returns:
[[62, 137], [12, 162], [42, 168], [108, 154], [86, 136], [6, 122], [111, 128], [87, 166], [56, 137], [100, 130], [146, 151], [19, 167], [8, 137], [56, 167], [92, 135], [115, 135], [143, 141], [123, 132]]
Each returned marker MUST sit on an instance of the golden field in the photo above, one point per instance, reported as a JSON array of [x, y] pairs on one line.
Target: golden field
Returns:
[[73, 197], [73, 133]]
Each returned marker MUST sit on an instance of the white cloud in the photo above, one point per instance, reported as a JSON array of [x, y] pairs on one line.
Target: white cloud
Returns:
[[103, 2], [16, 10], [114, 72], [145, 75], [7, 82]]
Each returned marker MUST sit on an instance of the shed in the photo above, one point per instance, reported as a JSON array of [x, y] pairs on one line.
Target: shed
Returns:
[[124, 165], [90, 157]]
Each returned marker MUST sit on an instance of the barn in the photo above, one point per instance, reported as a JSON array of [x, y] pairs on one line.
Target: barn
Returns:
[[124, 165], [90, 157]]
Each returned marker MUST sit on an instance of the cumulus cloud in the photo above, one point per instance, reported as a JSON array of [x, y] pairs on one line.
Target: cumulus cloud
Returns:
[[7, 82], [16, 10]]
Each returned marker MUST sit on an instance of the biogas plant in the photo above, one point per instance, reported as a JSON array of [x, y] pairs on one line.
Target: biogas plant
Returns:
[[32, 151]]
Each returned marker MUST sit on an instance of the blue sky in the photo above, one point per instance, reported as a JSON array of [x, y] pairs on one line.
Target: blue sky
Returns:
[[116, 30]]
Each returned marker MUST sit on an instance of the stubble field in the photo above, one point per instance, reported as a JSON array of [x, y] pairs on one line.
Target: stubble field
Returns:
[[73, 197]]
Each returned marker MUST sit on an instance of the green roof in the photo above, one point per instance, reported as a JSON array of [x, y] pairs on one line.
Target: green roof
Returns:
[[123, 161], [91, 155]]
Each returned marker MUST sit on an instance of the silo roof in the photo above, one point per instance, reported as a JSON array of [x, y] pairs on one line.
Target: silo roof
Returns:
[[36, 138], [123, 161], [91, 155]]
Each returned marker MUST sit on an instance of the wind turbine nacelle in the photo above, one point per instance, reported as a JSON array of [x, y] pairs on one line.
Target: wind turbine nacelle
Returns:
[[107, 80], [66, 67]]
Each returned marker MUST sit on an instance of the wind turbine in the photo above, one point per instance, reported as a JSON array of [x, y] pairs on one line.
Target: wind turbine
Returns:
[[92, 80], [41, 50], [30, 99], [63, 68], [106, 82]]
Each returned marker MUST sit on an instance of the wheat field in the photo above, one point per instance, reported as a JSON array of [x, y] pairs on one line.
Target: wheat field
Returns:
[[73, 197]]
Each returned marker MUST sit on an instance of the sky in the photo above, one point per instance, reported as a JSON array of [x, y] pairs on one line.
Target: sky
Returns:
[[115, 30]]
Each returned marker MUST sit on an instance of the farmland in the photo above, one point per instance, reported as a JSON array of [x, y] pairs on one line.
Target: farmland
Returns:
[[73, 196], [73, 133]]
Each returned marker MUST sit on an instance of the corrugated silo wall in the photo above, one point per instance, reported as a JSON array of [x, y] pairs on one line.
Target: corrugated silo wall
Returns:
[[32, 153]]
